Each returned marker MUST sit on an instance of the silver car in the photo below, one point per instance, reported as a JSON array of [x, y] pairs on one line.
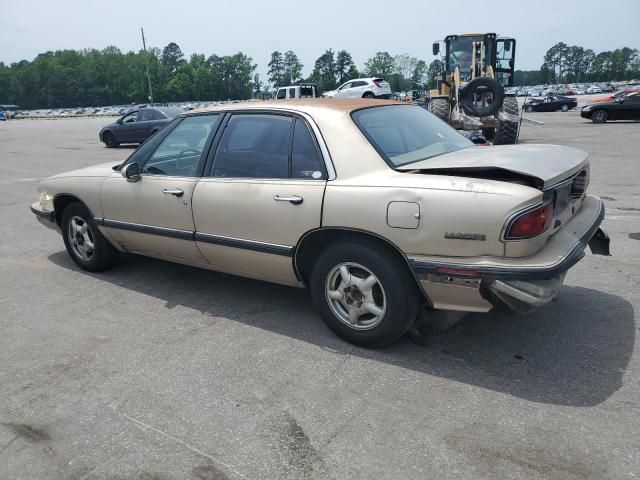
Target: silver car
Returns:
[[375, 206]]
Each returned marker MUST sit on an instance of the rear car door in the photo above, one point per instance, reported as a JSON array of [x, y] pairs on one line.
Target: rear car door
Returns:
[[358, 88], [143, 124], [263, 191], [630, 108], [153, 215]]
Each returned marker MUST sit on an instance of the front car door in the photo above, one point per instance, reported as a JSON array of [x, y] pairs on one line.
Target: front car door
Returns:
[[263, 191], [126, 130], [344, 90], [153, 215]]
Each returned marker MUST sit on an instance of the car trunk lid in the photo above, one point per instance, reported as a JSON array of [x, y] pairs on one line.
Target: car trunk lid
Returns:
[[541, 166]]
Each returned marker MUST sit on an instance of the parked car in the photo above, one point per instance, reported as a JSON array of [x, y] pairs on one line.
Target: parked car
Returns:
[[613, 97], [307, 90], [625, 108], [137, 125], [374, 206], [361, 88], [3, 116], [594, 89], [550, 104]]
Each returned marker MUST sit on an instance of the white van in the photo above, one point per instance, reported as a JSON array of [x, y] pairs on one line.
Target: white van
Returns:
[[305, 90]]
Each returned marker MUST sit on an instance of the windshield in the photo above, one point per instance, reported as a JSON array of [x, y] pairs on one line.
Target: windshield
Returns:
[[404, 134]]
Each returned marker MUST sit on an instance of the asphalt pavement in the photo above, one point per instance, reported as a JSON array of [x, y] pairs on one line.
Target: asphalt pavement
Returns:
[[156, 371]]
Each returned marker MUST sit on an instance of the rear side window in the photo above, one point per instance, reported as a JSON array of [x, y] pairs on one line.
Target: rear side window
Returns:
[[292, 92], [305, 158], [254, 146], [404, 134], [145, 114]]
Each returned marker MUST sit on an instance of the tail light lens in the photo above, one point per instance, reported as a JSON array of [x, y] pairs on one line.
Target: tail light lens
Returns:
[[530, 224], [580, 183]]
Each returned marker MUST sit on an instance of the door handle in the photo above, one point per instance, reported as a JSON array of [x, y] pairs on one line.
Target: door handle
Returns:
[[178, 192], [295, 199]]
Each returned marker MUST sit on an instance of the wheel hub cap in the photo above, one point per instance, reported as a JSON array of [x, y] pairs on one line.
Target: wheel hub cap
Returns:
[[355, 296]]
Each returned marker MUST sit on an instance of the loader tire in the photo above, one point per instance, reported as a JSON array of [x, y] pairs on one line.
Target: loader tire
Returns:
[[440, 108], [507, 132]]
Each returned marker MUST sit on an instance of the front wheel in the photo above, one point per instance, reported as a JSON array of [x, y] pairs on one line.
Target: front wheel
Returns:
[[599, 116], [109, 140], [363, 294], [85, 244], [528, 109]]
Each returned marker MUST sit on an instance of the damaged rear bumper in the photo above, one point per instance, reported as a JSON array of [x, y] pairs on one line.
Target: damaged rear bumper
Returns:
[[523, 284]]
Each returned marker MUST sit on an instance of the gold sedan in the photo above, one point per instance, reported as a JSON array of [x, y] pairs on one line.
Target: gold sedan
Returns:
[[375, 206]]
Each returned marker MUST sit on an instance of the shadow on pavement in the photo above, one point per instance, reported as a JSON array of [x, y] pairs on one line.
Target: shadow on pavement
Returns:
[[573, 352]]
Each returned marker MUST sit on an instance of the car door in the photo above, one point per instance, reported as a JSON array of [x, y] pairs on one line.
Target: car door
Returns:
[[630, 108], [343, 90], [153, 215], [358, 88], [263, 191], [126, 129], [143, 124]]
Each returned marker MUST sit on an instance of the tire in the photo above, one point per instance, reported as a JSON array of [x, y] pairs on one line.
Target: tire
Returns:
[[599, 116], [489, 134], [469, 93], [507, 132], [440, 108], [368, 95], [393, 297], [75, 218], [528, 109], [565, 108], [109, 140]]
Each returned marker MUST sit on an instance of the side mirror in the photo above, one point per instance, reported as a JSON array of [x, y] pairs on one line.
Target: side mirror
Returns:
[[131, 172], [436, 48]]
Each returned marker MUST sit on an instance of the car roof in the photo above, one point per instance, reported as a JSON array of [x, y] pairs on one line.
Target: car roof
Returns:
[[309, 106]]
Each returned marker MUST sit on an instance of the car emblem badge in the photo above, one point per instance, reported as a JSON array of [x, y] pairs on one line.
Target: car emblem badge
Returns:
[[465, 236]]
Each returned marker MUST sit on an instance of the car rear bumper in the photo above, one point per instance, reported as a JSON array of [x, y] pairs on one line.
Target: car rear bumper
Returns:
[[478, 284]]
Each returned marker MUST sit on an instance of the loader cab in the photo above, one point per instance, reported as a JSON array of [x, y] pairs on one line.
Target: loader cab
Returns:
[[480, 51]]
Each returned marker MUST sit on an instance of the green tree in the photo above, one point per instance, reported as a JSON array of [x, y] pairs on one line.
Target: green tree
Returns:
[[276, 69], [343, 66], [172, 58], [435, 69], [324, 71], [291, 68], [380, 65]]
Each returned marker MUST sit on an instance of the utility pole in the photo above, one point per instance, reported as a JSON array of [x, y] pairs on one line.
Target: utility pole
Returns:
[[144, 46]]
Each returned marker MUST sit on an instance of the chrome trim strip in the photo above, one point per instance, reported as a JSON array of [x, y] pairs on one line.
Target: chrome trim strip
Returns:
[[264, 247], [149, 229]]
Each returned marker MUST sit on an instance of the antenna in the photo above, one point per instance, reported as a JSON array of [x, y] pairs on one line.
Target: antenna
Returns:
[[144, 46]]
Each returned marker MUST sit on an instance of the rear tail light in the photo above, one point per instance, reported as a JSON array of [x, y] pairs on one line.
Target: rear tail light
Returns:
[[580, 183], [530, 223]]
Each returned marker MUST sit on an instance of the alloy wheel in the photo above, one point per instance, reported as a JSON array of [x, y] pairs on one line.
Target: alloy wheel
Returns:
[[81, 238]]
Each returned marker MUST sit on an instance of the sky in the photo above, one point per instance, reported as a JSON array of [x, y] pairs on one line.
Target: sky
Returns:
[[257, 28]]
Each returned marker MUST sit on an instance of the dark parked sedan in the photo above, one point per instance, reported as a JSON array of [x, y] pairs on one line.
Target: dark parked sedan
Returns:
[[550, 104], [627, 108], [137, 125]]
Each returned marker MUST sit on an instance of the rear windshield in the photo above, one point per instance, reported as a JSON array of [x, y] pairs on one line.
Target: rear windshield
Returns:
[[405, 134]]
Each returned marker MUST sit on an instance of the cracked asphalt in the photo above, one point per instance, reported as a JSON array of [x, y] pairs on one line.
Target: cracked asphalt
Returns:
[[156, 371]]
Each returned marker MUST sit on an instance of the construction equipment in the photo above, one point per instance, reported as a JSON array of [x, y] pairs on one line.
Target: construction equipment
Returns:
[[471, 87]]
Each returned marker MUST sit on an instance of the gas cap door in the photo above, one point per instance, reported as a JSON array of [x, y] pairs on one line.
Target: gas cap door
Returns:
[[403, 215]]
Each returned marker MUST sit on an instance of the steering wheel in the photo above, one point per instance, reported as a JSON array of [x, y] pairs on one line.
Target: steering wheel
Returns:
[[180, 163]]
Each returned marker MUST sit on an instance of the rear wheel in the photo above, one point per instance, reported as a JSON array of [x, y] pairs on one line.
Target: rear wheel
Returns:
[[507, 131], [363, 294], [109, 140], [565, 108], [599, 116], [85, 244], [440, 107], [368, 95]]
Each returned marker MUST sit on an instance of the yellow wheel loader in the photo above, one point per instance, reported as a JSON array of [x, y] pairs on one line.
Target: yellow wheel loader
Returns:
[[471, 87]]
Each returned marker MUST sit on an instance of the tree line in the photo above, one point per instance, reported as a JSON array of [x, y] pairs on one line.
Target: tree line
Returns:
[[574, 64], [68, 78]]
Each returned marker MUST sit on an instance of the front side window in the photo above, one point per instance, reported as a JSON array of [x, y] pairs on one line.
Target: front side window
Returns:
[[254, 146], [130, 117], [405, 134], [282, 93], [346, 86], [179, 153]]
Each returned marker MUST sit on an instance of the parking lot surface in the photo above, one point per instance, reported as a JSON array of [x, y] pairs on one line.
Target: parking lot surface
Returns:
[[159, 371]]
